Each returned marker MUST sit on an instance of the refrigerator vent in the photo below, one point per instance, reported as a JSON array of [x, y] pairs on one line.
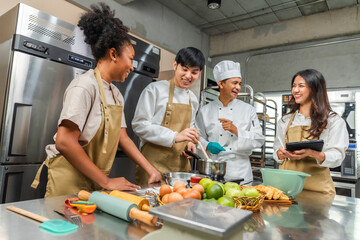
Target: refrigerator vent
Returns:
[[50, 30]]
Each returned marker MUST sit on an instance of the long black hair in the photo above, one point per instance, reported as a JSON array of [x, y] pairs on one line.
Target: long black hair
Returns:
[[320, 106], [103, 31]]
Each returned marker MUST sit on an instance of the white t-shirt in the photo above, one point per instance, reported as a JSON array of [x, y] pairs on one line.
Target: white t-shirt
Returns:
[[81, 105]]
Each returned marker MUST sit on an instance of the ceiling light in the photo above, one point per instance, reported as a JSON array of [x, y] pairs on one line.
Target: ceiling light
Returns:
[[214, 4]]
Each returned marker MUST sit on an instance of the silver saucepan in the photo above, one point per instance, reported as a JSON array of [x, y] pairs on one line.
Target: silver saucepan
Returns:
[[209, 167]]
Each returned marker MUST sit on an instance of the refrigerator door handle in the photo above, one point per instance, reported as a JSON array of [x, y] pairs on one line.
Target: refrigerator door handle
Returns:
[[20, 129]]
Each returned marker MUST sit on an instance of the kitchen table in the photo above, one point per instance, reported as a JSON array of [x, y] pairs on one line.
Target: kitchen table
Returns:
[[316, 216]]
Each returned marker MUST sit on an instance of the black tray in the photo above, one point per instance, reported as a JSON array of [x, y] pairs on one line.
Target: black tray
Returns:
[[316, 145]]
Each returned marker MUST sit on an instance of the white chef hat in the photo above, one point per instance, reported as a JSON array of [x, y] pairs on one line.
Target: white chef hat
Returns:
[[226, 69]]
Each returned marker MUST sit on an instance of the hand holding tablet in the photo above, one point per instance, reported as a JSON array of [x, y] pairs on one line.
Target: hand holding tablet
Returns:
[[316, 145]]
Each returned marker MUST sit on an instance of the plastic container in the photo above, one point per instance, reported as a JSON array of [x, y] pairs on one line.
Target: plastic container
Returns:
[[290, 182]]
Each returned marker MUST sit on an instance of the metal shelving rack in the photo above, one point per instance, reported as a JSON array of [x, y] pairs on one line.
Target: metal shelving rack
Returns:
[[263, 157]]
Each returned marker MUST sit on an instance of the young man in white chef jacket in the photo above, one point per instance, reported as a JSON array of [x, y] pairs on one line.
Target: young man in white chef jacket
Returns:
[[228, 127], [165, 114]]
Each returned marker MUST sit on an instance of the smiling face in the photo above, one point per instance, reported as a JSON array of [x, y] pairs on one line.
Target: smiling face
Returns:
[[122, 64], [301, 91], [230, 88], [185, 76]]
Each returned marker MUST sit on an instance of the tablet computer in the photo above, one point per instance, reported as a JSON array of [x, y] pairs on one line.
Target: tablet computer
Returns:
[[316, 145]]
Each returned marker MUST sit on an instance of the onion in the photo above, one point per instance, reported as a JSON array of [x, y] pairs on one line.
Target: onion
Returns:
[[192, 194], [178, 185], [199, 188], [165, 189], [173, 197]]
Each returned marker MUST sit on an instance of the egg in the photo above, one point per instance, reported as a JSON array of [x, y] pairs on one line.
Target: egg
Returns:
[[182, 189], [199, 188], [165, 189], [165, 198], [178, 185], [192, 194], [174, 196]]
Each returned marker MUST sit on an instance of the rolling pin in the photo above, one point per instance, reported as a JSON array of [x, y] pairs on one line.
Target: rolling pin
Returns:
[[142, 203], [118, 207]]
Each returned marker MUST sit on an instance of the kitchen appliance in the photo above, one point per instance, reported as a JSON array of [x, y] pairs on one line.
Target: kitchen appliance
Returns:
[[40, 55], [146, 65], [346, 176]]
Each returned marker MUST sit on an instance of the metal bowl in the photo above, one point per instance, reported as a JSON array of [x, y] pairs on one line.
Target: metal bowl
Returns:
[[212, 168], [173, 177]]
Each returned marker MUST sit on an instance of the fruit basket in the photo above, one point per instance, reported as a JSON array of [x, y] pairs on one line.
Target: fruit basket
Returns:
[[249, 203]]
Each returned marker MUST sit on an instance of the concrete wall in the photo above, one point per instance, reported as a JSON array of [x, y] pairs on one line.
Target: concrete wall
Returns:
[[270, 55], [325, 25], [271, 70], [156, 23]]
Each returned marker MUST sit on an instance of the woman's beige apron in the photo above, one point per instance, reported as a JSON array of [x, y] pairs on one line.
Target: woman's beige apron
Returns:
[[320, 180], [177, 117], [63, 178]]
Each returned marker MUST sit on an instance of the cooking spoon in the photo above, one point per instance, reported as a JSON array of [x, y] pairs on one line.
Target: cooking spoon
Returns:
[[203, 150]]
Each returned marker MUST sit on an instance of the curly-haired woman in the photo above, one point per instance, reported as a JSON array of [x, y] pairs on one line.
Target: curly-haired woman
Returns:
[[92, 124], [311, 118]]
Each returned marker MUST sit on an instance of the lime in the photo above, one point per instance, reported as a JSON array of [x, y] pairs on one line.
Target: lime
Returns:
[[226, 201], [204, 196], [221, 184], [214, 190], [234, 192], [211, 200], [250, 192], [205, 182], [229, 185]]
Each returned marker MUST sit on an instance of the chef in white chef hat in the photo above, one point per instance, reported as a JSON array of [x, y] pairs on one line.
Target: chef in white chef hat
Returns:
[[226, 69], [229, 127]]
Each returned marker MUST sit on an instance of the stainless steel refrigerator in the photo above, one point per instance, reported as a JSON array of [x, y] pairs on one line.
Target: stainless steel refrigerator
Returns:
[[146, 67], [40, 55]]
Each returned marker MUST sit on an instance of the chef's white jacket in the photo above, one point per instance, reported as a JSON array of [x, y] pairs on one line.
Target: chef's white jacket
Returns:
[[150, 112], [238, 148]]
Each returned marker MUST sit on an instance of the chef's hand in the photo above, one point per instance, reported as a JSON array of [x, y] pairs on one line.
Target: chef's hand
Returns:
[[191, 147], [188, 134], [215, 148], [154, 177], [120, 184], [228, 126]]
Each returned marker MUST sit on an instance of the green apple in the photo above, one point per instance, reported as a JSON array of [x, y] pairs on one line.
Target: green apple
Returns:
[[234, 192], [250, 192]]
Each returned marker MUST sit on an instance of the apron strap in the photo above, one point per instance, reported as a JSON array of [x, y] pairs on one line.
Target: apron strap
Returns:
[[171, 92], [288, 126], [36, 181], [101, 86], [104, 106]]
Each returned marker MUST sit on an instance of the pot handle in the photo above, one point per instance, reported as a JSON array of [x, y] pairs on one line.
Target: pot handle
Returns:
[[194, 155]]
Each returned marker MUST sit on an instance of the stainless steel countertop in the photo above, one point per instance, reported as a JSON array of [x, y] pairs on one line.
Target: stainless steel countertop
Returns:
[[316, 216], [95, 226]]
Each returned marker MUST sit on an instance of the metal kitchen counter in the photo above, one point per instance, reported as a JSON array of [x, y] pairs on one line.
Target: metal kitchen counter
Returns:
[[316, 216]]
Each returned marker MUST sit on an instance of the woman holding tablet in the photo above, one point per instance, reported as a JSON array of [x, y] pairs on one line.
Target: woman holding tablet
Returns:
[[311, 118]]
